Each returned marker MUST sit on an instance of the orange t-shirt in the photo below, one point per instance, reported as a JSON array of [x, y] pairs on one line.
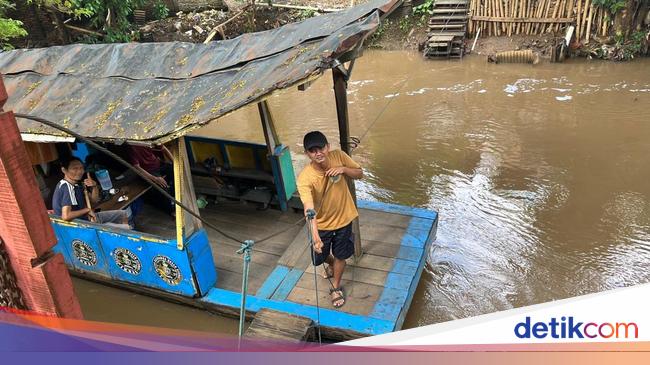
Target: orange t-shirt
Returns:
[[331, 196]]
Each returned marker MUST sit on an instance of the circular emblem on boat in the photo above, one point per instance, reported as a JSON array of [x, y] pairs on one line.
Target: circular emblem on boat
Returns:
[[167, 270], [127, 261], [84, 253]]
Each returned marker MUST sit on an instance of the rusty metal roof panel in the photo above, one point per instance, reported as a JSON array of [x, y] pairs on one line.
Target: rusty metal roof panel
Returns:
[[158, 91]]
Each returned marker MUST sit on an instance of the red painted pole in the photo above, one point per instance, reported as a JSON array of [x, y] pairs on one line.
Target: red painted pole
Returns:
[[26, 231]]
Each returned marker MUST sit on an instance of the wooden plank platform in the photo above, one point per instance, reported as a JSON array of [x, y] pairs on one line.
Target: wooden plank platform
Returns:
[[378, 288], [279, 326]]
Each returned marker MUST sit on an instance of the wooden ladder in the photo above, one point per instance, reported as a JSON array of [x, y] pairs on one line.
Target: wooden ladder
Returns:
[[447, 29]]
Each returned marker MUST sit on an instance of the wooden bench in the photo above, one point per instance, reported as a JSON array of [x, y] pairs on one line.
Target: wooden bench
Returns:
[[241, 170]]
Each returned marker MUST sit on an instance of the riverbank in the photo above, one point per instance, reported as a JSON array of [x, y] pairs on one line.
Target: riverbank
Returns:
[[401, 31]]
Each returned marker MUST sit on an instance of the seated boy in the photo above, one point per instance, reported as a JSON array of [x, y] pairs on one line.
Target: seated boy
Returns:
[[69, 202]]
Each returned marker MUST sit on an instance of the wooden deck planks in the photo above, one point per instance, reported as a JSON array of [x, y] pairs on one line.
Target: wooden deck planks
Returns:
[[390, 250], [378, 286], [308, 297], [374, 216], [274, 325], [232, 281], [296, 249], [354, 289]]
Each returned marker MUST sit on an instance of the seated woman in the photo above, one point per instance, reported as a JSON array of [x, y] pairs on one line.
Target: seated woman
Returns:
[[69, 201], [151, 163]]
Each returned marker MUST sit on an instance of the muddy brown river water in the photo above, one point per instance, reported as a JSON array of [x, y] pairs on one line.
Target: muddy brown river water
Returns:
[[540, 174]]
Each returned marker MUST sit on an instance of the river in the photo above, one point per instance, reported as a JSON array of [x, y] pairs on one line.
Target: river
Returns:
[[539, 174]]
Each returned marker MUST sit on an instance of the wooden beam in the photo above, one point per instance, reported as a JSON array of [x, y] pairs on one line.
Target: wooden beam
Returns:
[[268, 126], [83, 30], [523, 20], [341, 96]]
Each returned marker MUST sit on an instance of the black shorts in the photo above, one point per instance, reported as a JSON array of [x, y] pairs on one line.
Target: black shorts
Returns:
[[340, 242]]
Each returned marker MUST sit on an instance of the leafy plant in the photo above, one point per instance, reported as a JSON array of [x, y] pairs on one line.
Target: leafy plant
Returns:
[[160, 10], [405, 24], [612, 5], [73, 8], [307, 13], [426, 8], [110, 16], [9, 28]]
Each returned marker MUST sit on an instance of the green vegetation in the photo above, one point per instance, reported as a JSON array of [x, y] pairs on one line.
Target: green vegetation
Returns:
[[379, 33], [305, 14], [112, 17], [9, 28], [426, 8], [631, 47], [612, 5], [160, 10], [109, 16]]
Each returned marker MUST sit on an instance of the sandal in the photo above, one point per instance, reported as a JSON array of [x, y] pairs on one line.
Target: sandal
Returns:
[[337, 298], [329, 271]]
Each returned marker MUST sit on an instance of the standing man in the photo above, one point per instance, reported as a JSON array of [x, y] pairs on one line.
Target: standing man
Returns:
[[69, 201], [323, 187]]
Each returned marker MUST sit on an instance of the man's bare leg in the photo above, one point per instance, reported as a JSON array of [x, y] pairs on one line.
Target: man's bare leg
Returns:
[[328, 267], [339, 267]]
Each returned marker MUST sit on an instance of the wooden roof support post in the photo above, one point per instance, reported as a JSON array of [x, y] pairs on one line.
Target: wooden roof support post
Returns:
[[270, 135], [340, 76]]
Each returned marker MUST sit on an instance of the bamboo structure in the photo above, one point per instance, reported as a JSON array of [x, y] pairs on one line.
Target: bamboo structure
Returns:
[[511, 17]]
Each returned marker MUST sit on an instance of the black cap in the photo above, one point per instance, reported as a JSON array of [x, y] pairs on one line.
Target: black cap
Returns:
[[314, 139]]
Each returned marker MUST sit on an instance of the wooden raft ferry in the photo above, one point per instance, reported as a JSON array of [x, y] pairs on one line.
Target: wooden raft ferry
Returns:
[[107, 94]]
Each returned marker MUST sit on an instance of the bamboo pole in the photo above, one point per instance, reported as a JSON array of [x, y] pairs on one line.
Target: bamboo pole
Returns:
[[538, 5], [546, 13], [585, 14], [486, 8], [470, 22], [525, 26], [503, 13], [475, 24], [530, 14], [560, 10], [524, 4], [506, 8], [578, 19], [477, 11], [555, 6], [511, 5], [517, 14], [589, 20], [493, 25], [540, 13], [497, 26], [605, 24], [481, 12], [498, 13]]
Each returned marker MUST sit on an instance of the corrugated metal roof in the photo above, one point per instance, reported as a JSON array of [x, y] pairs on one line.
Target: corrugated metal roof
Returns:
[[155, 92]]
